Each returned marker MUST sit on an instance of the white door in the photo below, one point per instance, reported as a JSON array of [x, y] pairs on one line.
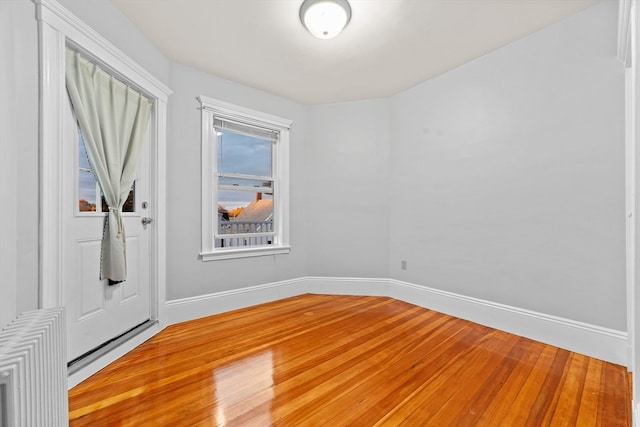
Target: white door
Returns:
[[97, 312]]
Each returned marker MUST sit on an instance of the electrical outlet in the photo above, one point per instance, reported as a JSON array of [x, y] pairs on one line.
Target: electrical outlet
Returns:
[[403, 264]]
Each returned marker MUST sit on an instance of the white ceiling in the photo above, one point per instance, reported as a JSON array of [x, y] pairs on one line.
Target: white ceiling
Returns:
[[389, 45]]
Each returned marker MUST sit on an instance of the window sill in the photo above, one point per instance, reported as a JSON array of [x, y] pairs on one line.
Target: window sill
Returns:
[[244, 253]]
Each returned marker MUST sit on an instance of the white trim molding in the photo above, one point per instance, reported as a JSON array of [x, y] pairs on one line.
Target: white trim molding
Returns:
[[184, 309], [595, 341], [91, 42], [632, 142], [82, 374], [52, 91], [630, 204], [624, 31]]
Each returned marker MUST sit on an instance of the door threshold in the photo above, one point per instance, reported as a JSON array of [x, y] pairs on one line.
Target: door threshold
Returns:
[[94, 354]]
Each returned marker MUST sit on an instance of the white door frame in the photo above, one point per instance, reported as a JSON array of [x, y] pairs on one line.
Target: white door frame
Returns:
[[58, 27], [628, 53]]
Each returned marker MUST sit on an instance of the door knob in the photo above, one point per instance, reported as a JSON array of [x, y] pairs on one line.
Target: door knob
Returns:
[[146, 220]]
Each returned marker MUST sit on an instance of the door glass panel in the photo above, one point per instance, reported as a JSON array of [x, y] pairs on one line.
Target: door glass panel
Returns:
[[129, 204], [87, 185], [83, 158], [88, 189]]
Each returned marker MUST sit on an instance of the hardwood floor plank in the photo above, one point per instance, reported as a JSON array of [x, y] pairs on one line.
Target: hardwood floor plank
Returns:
[[532, 387], [348, 360], [570, 393], [591, 391], [504, 399], [435, 379], [548, 395], [614, 399], [471, 371], [471, 407], [385, 378]]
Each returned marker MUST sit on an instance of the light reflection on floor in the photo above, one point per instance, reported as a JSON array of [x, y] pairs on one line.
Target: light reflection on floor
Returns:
[[231, 381]]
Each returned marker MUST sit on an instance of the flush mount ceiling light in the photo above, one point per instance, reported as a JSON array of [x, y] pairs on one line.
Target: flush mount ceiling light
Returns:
[[325, 18]]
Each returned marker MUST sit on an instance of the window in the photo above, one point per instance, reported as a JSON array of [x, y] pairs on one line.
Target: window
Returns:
[[245, 185]]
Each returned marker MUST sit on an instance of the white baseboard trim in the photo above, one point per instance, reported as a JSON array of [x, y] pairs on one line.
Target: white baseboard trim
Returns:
[[595, 341], [184, 309], [348, 286], [110, 357]]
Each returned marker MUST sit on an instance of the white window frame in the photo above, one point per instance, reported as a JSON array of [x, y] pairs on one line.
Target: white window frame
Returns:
[[210, 109]]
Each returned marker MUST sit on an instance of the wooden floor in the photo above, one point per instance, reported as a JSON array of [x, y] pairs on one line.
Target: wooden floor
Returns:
[[349, 361]]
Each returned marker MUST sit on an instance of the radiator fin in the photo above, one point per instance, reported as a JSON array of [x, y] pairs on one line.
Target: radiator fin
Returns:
[[33, 370]]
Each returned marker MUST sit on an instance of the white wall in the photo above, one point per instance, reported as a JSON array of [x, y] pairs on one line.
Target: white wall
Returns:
[[510, 174], [347, 193], [187, 276], [18, 159]]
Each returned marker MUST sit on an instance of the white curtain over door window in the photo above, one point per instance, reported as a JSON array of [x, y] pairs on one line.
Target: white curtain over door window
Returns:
[[113, 119]]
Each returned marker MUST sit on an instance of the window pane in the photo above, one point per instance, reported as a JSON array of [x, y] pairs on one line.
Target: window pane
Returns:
[[243, 154], [244, 212], [86, 191]]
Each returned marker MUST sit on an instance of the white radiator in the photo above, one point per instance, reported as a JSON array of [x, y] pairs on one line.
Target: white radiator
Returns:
[[33, 370]]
